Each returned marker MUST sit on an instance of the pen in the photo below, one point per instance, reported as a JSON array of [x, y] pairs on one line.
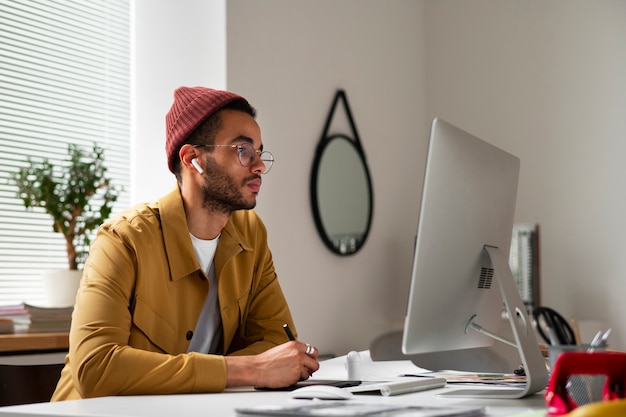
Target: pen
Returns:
[[596, 339], [605, 337], [288, 331], [600, 339]]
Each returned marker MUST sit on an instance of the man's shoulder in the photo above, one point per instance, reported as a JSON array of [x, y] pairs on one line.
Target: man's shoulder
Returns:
[[139, 217]]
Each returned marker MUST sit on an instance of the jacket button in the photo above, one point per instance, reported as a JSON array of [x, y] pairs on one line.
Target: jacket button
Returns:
[[189, 335]]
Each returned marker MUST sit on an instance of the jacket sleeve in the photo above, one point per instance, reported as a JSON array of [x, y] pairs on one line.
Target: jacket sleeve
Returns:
[[108, 354]]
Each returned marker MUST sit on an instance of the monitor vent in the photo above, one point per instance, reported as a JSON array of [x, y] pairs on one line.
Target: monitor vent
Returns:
[[486, 276]]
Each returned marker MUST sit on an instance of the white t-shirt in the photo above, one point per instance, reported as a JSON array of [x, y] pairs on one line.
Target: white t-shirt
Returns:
[[207, 337]]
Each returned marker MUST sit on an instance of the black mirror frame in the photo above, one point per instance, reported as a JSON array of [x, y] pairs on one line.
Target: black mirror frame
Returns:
[[325, 140]]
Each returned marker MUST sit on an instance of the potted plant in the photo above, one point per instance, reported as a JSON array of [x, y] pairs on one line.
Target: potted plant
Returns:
[[77, 194]]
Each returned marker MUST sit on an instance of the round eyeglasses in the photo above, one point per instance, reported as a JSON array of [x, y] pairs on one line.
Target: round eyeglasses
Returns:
[[246, 154]]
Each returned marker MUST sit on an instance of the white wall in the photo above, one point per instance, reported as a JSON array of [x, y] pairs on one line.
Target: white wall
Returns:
[[175, 43], [288, 58], [543, 80]]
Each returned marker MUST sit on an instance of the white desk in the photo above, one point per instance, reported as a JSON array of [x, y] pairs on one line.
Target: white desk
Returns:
[[224, 404]]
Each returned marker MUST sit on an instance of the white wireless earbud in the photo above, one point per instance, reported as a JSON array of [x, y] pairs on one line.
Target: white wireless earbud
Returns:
[[195, 163]]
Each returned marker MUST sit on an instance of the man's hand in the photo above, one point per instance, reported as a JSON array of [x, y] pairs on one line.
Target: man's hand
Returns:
[[278, 367]]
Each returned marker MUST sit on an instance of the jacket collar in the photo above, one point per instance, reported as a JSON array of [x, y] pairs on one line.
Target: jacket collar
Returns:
[[178, 247]]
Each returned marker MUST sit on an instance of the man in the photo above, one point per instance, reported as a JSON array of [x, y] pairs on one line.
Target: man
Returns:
[[181, 295]]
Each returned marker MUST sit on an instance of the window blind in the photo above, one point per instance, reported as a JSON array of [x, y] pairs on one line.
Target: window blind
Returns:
[[64, 78]]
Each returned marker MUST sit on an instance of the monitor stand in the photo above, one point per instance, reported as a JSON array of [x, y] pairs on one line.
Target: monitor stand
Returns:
[[525, 340]]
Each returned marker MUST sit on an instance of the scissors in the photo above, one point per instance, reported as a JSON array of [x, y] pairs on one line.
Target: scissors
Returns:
[[553, 328]]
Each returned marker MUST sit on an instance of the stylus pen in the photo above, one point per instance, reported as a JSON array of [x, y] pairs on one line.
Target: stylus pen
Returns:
[[288, 331]]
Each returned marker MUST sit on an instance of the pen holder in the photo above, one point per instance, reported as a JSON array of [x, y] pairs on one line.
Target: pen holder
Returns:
[[569, 377], [583, 389]]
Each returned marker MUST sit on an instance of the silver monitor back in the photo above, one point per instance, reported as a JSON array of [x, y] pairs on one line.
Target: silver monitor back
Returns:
[[461, 279]]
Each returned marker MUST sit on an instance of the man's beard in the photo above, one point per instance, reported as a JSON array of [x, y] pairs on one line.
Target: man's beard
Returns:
[[221, 194]]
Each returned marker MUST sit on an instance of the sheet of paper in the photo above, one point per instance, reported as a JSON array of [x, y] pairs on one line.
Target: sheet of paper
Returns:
[[336, 368]]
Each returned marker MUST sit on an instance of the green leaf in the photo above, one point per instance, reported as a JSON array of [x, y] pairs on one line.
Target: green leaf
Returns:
[[77, 194]]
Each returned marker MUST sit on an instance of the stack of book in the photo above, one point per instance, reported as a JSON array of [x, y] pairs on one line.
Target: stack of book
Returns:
[[6, 326], [14, 319], [49, 319]]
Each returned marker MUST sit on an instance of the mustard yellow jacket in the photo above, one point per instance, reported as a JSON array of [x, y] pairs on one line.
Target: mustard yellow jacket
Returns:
[[141, 295]]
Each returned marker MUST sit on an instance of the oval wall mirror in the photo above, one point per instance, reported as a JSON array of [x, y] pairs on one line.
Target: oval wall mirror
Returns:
[[341, 189]]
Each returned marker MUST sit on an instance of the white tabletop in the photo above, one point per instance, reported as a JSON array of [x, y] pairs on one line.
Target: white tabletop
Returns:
[[224, 404]]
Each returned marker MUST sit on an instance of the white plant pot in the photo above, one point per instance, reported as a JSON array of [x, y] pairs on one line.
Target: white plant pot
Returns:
[[61, 286]]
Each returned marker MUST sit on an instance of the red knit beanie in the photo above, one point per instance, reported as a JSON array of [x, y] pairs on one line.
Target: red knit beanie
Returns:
[[192, 105]]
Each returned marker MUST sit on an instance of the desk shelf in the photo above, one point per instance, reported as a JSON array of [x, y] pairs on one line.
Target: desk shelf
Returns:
[[33, 342]]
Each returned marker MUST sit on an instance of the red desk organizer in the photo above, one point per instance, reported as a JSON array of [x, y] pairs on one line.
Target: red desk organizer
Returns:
[[610, 364]]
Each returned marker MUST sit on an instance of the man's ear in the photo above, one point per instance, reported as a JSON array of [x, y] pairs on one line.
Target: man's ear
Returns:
[[189, 157]]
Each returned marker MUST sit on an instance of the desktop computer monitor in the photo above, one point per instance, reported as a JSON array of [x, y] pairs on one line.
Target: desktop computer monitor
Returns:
[[461, 279]]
